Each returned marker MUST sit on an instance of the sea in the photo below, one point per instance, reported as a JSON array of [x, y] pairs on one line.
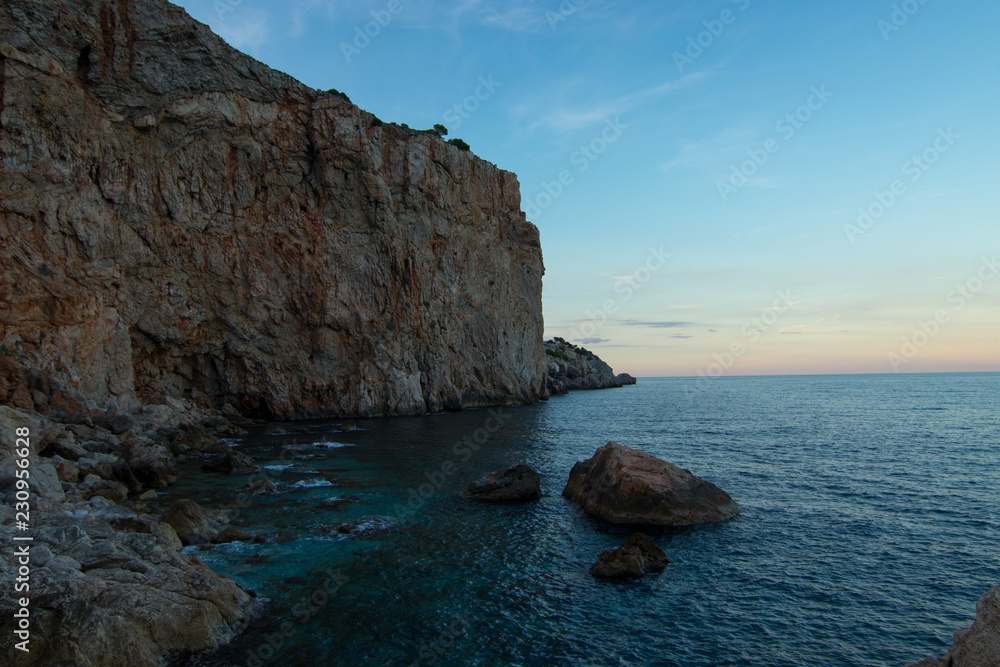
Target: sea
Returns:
[[870, 526]]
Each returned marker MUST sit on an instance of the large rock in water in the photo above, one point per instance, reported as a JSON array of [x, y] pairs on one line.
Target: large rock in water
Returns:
[[193, 523], [516, 483], [978, 645], [638, 556], [628, 486], [180, 220]]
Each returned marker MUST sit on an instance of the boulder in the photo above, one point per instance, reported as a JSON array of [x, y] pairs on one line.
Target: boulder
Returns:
[[232, 462], [193, 523], [636, 557], [232, 534], [152, 464], [978, 645], [518, 483], [93, 485], [627, 486]]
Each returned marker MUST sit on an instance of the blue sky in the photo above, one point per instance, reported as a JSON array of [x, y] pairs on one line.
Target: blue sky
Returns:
[[739, 137]]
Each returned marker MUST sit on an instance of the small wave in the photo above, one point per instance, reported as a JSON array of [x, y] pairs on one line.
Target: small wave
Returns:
[[311, 483], [279, 467], [329, 444]]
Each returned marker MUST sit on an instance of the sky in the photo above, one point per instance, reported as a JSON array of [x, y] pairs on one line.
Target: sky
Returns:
[[724, 187]]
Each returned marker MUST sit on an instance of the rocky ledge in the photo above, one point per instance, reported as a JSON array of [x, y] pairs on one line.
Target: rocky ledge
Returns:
[[571, 367], [107, 568], [627, 486]]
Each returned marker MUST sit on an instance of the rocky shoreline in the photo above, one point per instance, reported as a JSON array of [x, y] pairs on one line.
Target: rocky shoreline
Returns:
[[105, 568]]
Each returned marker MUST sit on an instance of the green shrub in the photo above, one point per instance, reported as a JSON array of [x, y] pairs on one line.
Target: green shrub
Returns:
[[458, 143]]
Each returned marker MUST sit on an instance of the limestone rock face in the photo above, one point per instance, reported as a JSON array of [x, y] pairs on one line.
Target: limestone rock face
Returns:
[[638, 556], [571, 367], [628, 486], [180, 221], [516, 483], [978, 645]]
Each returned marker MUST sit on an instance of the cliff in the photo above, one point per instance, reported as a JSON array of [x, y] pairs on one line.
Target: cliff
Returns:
[[178, 220], [571, 367]]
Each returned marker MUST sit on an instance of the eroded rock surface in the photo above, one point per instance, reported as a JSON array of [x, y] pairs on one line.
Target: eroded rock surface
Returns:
[[179, 220], [628, 486], [571, 367], [518, 483], [638, 556]]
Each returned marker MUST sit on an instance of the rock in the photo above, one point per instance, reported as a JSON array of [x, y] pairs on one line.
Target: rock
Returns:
[[570, 367], [193, 523], [231, 462], [232, 534], [978, 645], [636, 557], [517, 483], [627, 486], [93, 486], [152, 464], [259, 486], [148, 495], [118, 592], [213, 229]]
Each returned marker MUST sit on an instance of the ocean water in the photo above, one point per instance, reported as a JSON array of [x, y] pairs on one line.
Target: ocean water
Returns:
[[869, 529]]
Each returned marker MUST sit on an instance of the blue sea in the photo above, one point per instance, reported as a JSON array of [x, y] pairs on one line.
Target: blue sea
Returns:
[[869, 528]]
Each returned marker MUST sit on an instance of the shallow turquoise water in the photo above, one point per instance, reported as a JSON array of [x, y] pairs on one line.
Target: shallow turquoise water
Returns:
[[869, 529]]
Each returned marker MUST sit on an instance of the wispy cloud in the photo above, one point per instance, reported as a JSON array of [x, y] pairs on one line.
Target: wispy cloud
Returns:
[[569, 119], [655, 325], [592, 341]]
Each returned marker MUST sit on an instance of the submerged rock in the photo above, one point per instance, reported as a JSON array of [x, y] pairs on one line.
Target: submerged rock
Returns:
[[636, 557], [628, 486], [978, 645], [516, 483]]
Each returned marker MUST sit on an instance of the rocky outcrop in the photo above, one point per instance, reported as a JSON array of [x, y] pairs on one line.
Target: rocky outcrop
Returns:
[[180, 221], [627, 486], [638, 556], [195, 524], [978, 645], [106, 571], [571, 367], [518, 483]]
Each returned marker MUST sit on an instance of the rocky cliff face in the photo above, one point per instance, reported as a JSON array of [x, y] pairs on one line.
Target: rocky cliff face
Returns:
[[177, 219], [571, 367]]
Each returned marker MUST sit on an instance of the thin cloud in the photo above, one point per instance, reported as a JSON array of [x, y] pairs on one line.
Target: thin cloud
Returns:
[[655, 325], [570, 120]]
